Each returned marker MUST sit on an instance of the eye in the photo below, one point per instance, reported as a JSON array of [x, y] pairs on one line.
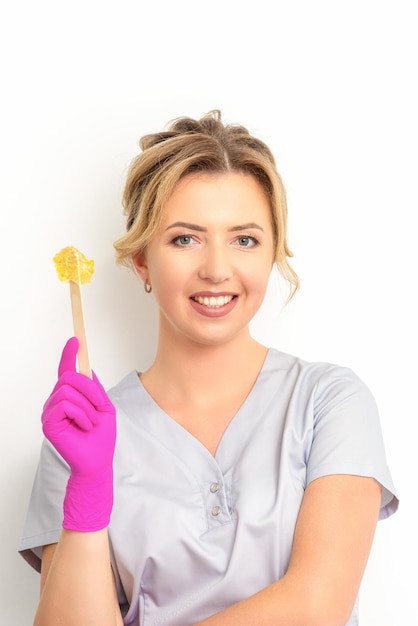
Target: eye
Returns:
[[246, 241], [182, 240]]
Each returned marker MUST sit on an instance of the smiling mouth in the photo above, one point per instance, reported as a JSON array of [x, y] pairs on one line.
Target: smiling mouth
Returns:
[[214, 302]]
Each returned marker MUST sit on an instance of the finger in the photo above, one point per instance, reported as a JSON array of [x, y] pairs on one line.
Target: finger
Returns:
[[90, 389], [68, 357], [59, 416], [70, 398]]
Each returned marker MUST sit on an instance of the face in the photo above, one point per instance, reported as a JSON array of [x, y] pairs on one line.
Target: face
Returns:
[[210, 261]]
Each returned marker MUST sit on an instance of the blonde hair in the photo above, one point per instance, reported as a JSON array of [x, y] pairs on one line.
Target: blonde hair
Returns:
[[193, 146]]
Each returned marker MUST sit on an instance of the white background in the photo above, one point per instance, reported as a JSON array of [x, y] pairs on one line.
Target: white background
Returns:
[[331, 86]]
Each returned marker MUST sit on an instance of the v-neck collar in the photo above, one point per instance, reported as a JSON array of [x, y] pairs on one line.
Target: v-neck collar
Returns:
[[143, 408]]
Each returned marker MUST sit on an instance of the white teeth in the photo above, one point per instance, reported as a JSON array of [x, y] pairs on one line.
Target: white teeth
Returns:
[[213, 301]]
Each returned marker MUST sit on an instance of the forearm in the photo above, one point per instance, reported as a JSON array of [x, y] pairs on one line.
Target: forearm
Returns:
[[78, 418], [79, 586], [281, 604], [332, 541]]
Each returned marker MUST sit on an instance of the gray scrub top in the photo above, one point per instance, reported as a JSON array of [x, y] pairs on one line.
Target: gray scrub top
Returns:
[[192, 533]]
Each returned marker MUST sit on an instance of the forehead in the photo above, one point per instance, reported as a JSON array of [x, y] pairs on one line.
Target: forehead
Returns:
[[227, 194]]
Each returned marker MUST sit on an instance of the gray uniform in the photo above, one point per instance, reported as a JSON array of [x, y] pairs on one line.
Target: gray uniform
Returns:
[[191, 533]]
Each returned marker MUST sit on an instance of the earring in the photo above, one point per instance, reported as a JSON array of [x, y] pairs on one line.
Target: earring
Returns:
[[147, 287]]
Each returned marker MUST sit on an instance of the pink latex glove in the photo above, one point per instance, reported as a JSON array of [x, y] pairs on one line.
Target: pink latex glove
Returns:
[[80, 421]]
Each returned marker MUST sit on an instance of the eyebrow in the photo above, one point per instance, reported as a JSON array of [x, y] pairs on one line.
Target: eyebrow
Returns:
[[202, 229]]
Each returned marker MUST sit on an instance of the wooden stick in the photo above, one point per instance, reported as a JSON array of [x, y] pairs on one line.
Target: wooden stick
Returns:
[[79, 326]]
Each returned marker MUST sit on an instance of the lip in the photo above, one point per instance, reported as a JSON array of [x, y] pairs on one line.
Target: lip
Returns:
[[213, 312]]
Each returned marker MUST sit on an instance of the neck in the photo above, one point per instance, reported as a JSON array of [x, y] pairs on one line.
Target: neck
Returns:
[[193, 366]]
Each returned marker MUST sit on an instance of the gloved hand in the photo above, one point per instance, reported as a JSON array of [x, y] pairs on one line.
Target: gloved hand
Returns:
[[80, 421]]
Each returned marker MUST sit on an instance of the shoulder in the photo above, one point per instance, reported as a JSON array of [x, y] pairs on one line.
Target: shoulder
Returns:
[[319, 392], [318, 376]]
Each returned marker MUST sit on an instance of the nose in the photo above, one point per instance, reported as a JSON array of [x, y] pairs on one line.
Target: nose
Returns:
[[215, 263]]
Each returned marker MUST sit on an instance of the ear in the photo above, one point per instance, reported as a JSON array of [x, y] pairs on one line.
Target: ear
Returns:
[[140, 265]]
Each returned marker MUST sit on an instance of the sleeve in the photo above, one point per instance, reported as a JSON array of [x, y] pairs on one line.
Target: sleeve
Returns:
[[347, 436], [43, 523]]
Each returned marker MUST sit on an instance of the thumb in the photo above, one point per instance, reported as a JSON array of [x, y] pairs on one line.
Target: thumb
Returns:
[[68, 357]]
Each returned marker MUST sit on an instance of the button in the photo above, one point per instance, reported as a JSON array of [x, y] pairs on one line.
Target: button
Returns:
[[216, 510], [214, 487]]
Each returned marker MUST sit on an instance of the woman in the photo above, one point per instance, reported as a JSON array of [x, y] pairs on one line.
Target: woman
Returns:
[[246, 483]]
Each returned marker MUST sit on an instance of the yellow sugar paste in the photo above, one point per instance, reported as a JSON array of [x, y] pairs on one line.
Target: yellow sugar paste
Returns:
[[71, 264]]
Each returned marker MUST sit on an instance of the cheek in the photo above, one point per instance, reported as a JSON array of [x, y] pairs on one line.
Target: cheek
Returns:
[[261, 282], [260, 289], [260, 275], [165, 280]]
